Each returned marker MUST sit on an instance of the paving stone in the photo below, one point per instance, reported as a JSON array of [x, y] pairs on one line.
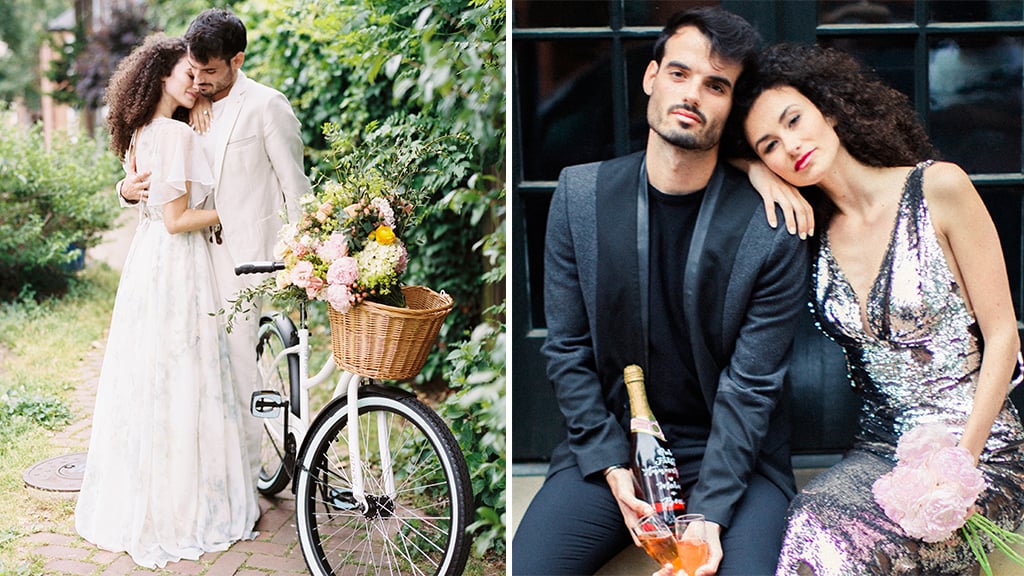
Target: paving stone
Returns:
[[62, 552], [69, 567], [258, 547], [122, 565], [50, 538], [277, 563], [227, 564]]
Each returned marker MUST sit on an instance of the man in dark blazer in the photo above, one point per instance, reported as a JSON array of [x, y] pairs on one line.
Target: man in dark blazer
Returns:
[[664, 259]]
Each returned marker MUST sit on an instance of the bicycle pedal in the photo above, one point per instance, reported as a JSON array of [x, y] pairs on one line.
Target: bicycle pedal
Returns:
[[266, 404]]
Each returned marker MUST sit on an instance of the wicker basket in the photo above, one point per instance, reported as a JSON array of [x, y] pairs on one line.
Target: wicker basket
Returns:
[[386, 342]]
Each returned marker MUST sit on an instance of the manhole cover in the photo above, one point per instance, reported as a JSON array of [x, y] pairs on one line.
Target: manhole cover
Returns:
[[60, 474]]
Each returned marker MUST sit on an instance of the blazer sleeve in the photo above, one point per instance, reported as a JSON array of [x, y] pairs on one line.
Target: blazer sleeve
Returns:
[[595, 436], [751, 385], [283, 142]]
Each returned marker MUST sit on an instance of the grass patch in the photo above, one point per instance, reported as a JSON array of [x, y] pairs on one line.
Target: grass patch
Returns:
[[42, 345]]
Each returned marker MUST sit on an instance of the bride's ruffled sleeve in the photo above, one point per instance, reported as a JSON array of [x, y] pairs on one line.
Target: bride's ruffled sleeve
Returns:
[[180, 159]]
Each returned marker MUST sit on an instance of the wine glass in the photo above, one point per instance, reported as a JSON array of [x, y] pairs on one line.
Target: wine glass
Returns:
[[657, 539], [692, 542]]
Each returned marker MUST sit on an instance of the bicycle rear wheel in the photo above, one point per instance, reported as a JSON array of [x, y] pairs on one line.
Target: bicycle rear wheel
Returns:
[[277, 448], [419, 526]]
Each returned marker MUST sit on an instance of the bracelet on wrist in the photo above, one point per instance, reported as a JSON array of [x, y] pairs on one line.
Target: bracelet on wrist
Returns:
[[609, 469]]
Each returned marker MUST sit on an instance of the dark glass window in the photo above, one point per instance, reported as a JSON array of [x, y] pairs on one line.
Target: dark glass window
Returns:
[[656, 12], [1004, 205], [560, 13], [975, 10], [891, 58], [974, 101], [861, 12]]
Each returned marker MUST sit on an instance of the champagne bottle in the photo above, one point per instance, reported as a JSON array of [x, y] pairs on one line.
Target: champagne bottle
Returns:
[[653, 465]]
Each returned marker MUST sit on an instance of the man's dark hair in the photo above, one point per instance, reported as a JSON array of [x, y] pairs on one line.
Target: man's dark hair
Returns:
[[732, 38], [215, 33]]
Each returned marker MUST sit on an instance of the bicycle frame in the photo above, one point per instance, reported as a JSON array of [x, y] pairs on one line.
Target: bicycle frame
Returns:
[[348, 386]]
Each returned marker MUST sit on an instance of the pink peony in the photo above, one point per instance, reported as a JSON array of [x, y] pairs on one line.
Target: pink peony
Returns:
[[344, 270], [333, 248], [956, 465], [339, 297], [301, 273], [918, 444], [936, 514], [932, 489]]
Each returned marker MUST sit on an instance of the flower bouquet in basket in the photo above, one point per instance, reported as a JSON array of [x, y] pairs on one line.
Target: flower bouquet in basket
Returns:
[[931, 493], [347, 248]]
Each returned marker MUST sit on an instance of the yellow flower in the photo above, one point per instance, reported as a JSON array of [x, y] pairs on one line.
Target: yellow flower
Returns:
[[384, 235]]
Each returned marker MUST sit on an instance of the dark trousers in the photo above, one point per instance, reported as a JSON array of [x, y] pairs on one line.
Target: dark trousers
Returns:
[[573, 526]]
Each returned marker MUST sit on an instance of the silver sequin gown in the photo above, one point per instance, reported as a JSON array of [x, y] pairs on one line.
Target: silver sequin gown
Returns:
[[916, 362]]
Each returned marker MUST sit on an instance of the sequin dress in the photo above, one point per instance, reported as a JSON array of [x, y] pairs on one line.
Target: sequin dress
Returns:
[[916, 362]]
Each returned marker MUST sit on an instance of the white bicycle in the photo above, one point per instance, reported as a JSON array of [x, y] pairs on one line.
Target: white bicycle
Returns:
[[380, 483]]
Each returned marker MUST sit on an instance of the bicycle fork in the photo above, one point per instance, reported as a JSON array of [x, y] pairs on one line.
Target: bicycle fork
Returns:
[[350, 383]]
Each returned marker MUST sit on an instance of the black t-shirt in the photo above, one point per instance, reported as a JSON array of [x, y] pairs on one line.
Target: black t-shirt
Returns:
[[672, 388]]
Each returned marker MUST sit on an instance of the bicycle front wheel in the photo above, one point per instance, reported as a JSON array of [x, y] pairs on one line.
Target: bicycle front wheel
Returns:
[[415, 517], [277, 449]]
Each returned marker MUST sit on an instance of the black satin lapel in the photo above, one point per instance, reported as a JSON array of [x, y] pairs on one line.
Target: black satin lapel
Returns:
[[706, 372], [643, 257], [619, 337]]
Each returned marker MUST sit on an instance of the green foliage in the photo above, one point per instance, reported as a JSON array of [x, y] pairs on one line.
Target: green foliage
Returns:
[[476, 414], [23, 29], [82, 68], [54, 202]]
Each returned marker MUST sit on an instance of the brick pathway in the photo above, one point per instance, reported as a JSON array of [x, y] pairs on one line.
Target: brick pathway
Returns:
[[52, 543], [61, 551]]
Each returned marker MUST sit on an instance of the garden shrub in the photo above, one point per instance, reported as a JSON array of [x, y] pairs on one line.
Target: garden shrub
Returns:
[[54, 203]]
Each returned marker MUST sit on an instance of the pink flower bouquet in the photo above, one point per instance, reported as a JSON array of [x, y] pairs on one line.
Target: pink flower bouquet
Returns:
[[347, 247], [932, 490]]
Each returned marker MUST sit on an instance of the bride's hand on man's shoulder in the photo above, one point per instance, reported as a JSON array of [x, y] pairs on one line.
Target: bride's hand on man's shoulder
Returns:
[[201, 114]]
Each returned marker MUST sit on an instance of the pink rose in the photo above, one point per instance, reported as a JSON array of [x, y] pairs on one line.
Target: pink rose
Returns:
[[916, 445], [344, 270], [313, 287], [352, 210], [301, 273], [324, 212], [335, 247], [339, 297]]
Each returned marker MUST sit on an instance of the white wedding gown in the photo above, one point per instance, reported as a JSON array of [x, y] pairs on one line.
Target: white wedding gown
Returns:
[[167, 474]]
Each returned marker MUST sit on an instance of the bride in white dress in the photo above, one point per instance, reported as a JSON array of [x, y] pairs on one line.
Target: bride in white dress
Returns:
[[166, 476]]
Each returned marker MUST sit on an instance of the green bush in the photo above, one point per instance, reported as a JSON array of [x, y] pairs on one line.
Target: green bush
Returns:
[[54, 203], [476, 414]]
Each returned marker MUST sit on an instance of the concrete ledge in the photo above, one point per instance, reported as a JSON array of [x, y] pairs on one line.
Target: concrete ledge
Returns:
[[526, 480]]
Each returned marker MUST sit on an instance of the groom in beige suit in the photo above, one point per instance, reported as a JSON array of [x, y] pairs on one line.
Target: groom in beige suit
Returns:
[[254, 146], [255, 149]]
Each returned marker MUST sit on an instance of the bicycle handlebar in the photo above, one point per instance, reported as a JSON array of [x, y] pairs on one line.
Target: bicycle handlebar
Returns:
[[258, 267]]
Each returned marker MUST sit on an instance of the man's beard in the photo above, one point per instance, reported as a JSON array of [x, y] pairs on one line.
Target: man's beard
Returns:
[[687, 139]]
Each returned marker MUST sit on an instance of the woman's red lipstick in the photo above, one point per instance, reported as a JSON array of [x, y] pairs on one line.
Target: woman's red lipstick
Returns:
[[802, 162]]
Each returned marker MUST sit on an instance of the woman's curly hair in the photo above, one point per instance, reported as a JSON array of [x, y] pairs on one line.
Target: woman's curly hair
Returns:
[[874, 122], [137, 86]]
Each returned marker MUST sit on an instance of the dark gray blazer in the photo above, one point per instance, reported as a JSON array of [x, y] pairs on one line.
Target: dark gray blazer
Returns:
[[745, 285]]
